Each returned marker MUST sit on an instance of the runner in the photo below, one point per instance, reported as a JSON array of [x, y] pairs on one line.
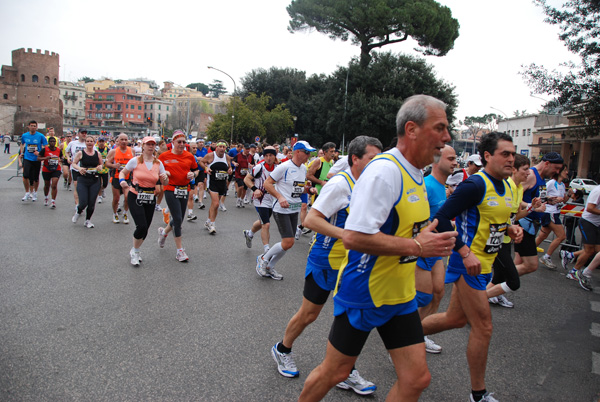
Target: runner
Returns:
[[286, 183], [147, 170], [375, 286], [103, 173], [263, 201], [116, 160], [72, 149], [218, 167], [327, 218], [481, 205], [201, 180], [51, 170], [87, 162], [181, 168], [243, 163], [32, 142], [66, 166]]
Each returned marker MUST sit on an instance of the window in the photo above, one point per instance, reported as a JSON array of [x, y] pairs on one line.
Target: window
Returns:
[[55, 83], [118, 107], [22, 77], [158, 107], [139, 107], [89, 115], [517, 133], [126, 106], [145, 107], [5, 96], [167, 108], [528, 132], [47, 80], [34, 78], [139, 116]]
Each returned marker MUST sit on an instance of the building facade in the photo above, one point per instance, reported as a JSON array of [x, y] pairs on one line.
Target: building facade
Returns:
[[73, 97], [121, 107], [521, 129], [157, 112]]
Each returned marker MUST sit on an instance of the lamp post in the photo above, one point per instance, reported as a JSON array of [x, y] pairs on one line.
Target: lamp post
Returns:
[[233, 100]]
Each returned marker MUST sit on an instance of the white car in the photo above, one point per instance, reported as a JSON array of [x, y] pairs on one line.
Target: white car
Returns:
[[585, 185]]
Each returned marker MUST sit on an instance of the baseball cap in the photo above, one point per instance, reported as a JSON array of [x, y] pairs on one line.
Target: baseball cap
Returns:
[[246, 146], [101, 139], [148, 139], [476, 159], [552, 157], [252, 146], [83, 130], [303, 146]]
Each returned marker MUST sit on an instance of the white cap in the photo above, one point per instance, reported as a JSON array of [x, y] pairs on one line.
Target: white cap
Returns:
[[476, 159]]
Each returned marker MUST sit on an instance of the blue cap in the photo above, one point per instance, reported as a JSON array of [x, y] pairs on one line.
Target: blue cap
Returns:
[[303, 146]]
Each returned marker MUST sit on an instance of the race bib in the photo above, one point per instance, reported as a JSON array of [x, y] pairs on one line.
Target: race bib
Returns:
[[494, 242], [31, 148], [298, 188], [146, 197], [220, 175], [181, 192], [295, 206], [417, 227], [91, 171], [53, 161], [244, 172]]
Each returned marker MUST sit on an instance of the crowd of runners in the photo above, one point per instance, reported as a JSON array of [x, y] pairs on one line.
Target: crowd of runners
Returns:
[[386, 237]]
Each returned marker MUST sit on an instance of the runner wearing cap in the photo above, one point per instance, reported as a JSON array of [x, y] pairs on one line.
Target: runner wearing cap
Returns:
[[147, 171], [218, 168], [75, 146], [473, 166], [201, 152], [286, 183], [181, 168]]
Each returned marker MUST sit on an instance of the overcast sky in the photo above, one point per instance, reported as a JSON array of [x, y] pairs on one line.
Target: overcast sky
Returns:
[[176, 40]]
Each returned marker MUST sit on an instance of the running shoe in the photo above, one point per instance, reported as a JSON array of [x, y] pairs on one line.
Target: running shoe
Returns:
[[34, 196], [46, 202], [191, 217], [306, 231], [65, 184], [246, 201], [584, 281], [88, 224], [432, 347], [212, 229], [285, 363], [166, 217], [358, 384], [298, 233], [222, 207], [248, 238], [504, 302], [572, 274], [75, 217], [69, 187], [53, 205], [274, 274], [116, 218], [566, 257], [99, 199], [207, 225], [201, 205], [486, 398], [195, 198], [182, 256], [162, 237], [493, 300], [548, 262], [119, 209], [157, 207], [125, 219], [135, 258], [261, 266], [25, 197], [238, 203]]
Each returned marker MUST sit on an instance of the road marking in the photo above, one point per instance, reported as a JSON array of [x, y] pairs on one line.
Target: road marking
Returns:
[[595, 330], [596, 363], [595, 306]]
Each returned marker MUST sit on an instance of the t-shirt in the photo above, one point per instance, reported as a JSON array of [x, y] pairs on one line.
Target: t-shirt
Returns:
[[52, 164], [593, 198], [201, 152], [244, 163], [555, 189], [74, 147], [33, 142], [178, 166], [289, 182], [267, 200], [339, 166]]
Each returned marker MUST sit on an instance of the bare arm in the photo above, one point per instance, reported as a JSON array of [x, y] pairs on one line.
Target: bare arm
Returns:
[[312, 169], [317, 222]]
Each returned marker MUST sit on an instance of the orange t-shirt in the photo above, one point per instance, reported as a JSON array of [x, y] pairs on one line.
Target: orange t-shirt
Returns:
[[178, 166]]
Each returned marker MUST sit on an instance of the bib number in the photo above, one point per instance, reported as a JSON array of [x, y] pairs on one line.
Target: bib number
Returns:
[[494, 242], [145, 197], [221, 175], [297, 189], [244, 172], [31, 148], [181, 192], [295, 206]]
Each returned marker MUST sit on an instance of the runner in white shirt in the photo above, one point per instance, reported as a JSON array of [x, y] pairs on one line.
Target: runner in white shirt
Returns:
[[75, 146], [286, 184]]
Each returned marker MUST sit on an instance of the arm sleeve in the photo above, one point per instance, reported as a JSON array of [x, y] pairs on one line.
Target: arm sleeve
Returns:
[[467, 195]]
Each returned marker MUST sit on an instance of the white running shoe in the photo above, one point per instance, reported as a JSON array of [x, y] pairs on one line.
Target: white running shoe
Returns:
[[566, 257], [162, 237], [222, 207], [99, 199], [157, 207], [191, 217], [504, 302], [298, 233], [493, 300], [248, 238], [115, 218], [432, 347], [285, 363], [75, 217], [273, 274], [261, 267], [88, 224], [46, 201], [357, 384], [53, 205], [34, 196], [26, 197], [182, 256], [548, 262], [125, 219], [212, 229], [201, 205], [135, 258], [486, 398]]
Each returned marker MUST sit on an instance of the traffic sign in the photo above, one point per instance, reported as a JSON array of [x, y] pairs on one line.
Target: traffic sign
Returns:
[[257, 139]]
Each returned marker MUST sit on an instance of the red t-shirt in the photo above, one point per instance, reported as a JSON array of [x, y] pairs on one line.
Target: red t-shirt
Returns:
[[50, 165], [178, 166], [243, 162]]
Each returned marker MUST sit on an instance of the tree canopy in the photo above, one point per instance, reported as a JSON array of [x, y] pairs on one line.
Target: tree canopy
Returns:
[[86, 79], [577, 90], [217, 88], [200, 87], [372, 24]]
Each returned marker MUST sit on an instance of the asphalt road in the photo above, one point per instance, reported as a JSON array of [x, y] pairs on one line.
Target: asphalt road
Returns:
[[79, 323]]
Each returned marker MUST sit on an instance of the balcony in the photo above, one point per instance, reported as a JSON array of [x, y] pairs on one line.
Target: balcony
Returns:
[[71, 97]]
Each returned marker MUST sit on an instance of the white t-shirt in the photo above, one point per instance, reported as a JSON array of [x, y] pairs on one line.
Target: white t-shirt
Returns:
[[335, 195], [74, 147], [289, 182], [593, 198], [376, 192], [555, 189], [133, 162], [137, 150], [339, 166], [267, 199]]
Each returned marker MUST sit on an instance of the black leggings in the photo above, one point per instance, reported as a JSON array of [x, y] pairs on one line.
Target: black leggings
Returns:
[[177, 207], [87, 189], [142, 215], [505, 269]]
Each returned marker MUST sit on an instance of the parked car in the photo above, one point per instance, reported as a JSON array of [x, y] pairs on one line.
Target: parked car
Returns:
[[585, 185]]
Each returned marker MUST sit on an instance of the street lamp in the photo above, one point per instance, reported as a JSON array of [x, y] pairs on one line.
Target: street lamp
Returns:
[[233, 100]]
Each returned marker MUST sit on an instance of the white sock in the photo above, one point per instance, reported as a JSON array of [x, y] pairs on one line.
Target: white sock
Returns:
[[266, 248], [190, 211], [250, 234], [546, 256], [274, 254], [505, 287], [586, 272]]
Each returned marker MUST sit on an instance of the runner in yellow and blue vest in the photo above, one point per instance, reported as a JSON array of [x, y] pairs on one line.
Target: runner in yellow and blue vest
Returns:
[[384, 234], [482, 207], [327, 218], [103, 173]]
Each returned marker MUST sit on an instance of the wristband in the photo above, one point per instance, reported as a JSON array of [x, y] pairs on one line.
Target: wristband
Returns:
[[253, 188], [121, 181], [529, 207], [420, 247]]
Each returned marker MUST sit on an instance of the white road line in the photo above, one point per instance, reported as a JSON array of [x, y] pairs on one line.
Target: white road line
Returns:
[[596, 363], [595, 330], [595, 306]]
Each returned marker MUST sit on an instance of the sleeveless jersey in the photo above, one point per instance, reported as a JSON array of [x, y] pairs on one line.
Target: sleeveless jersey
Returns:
[[517, 192], [321, 173], [483, 226], [103, 155], [368, 281], [51, 165], [328, 251], [219, 168], [538, 190], [121, 158]]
